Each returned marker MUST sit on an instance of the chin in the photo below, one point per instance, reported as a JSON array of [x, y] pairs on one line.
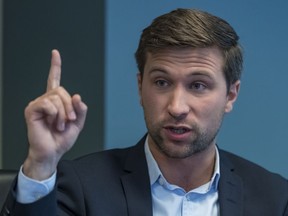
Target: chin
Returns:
[[184, 151]]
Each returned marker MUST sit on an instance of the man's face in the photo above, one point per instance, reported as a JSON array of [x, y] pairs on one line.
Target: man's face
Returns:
[[184, 97]]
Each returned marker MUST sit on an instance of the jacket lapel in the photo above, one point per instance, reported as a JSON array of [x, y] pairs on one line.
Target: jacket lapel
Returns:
[[230, 189], [136, 182], [136, 185]]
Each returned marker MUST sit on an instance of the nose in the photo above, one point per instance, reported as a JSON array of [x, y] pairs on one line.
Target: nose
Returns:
[[178, 106]]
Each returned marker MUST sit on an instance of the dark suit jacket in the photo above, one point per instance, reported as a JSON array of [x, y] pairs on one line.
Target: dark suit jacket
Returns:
[[116, 182]]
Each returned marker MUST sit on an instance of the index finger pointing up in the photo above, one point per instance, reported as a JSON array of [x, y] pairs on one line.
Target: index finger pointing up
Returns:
[[55, 71]]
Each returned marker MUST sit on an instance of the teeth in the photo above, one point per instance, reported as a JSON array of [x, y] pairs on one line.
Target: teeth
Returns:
[[178, 130]]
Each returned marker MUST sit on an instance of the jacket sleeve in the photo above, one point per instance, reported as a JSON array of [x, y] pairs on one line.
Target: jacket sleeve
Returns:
[[65, 199], [46, 206]]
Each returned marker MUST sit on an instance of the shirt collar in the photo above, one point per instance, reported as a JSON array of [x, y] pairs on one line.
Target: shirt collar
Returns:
[[155, 172]]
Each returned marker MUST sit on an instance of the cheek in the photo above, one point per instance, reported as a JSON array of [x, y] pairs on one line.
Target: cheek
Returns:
[[149, 97], [212, 110], [153, 106]]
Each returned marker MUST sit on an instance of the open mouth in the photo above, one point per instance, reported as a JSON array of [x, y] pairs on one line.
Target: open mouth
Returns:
[[178, 130]]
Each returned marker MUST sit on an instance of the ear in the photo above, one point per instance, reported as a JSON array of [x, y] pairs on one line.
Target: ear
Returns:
[[232, 96], [139, 81]]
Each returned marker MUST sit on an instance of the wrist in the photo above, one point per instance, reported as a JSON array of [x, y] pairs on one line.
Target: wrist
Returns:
[[38, 170]]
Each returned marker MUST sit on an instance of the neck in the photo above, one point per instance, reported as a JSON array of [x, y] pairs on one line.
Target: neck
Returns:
[[188, 173]]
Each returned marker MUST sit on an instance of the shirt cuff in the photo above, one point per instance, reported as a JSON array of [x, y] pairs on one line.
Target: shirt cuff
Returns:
[[29, 190]]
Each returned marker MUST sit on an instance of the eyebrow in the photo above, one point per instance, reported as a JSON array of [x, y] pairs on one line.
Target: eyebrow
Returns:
[[158, 69], [201, 73], [195, 73]]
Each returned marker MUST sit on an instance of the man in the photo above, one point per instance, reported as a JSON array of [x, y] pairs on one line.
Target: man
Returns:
[[189, 65]]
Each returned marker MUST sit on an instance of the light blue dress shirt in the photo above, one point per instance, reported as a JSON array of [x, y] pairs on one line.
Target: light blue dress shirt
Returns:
[[171, 200], [167, 199], [29, 190]]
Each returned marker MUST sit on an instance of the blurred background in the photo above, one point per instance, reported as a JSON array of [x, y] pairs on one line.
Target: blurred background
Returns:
[[97, 40]]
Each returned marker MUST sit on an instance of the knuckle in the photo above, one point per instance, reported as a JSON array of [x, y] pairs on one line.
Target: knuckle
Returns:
[[61, 90], [53, 98], [29, 107]]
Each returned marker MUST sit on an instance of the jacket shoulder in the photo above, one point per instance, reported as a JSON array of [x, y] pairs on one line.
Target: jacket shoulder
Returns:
[[249, 170]]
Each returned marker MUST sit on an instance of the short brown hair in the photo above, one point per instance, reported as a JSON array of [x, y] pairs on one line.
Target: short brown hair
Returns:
[[183, 28]]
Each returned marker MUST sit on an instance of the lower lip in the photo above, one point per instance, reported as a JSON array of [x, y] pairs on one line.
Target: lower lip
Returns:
[[177, 137]]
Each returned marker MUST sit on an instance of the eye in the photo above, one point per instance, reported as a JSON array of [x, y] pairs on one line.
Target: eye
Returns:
[[161, 83], [199, 86]]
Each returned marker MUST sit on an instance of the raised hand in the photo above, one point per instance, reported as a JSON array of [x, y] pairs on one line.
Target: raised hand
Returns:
[[54, 121]]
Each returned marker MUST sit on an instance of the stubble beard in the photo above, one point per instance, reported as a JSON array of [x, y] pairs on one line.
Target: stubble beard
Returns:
[[200, 140]]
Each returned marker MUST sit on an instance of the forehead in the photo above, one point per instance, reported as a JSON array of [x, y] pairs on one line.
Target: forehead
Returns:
[[208, 59]]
